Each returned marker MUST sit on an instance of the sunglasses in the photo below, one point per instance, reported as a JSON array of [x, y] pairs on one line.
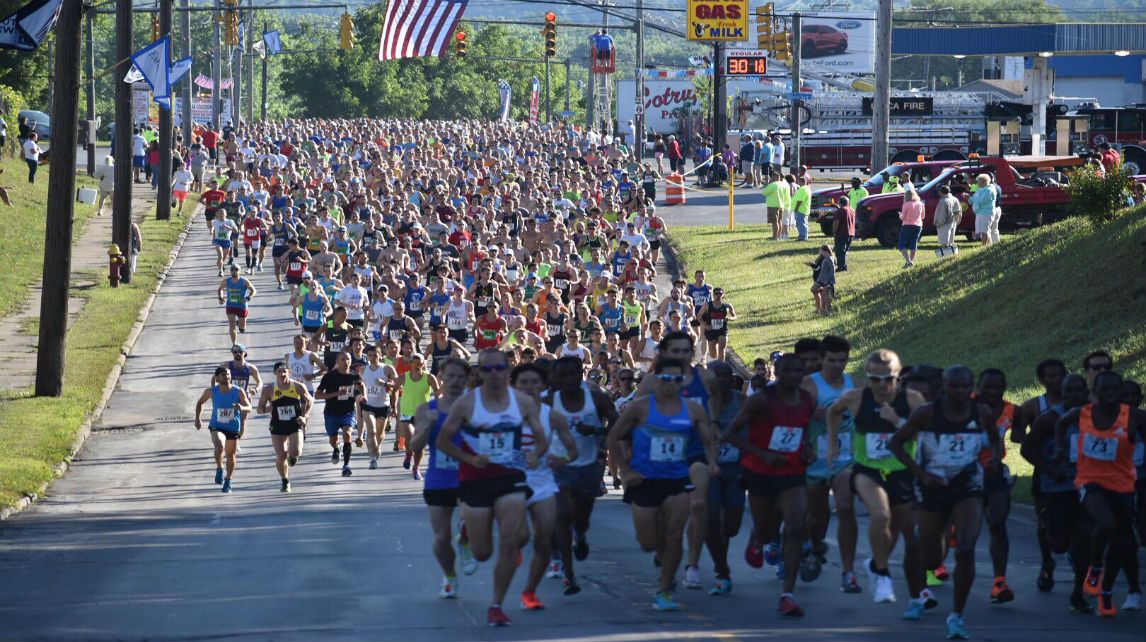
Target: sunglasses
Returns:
[[670, 378], [880, 378], [625, 378], [501, 367], [1099, 367]]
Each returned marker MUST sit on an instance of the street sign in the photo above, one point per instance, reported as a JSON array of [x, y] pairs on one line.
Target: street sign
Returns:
[[639, 109], [565, 114], [800, 95], [905, 106], [718, 20]]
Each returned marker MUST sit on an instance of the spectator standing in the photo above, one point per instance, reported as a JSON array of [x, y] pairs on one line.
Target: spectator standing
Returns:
[[153, 163], [777, 154], [105, 174], [136, 246], [983, 203], [948, 213], [858, 192], [997, 215], [699, 157], [32, 153], [138, 154], [825, 274], [676, 157], [747, 159], [843, 230], [911, 219], [773, 200], [801, 206], [659, 153], [1109, 158]]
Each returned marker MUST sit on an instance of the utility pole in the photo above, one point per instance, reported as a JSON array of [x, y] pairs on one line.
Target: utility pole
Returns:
[[797, 85], [121, 194], [719, 101], [567, 81], [881, 103], [263, 103], [91, 146], [235, 55], [251, 65], [163, 195], [217, 74], [186, 90], [639, 85], [548, 97], [61, 205]]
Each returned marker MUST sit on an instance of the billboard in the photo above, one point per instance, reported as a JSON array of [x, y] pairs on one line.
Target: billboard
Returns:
[[718, 20], [841, 41], [663, 96]]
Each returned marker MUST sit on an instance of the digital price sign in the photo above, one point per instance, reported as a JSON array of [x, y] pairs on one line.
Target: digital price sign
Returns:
[[746, 64]]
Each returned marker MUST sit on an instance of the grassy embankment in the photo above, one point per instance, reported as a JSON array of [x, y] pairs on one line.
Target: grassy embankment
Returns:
[[1060, 291]]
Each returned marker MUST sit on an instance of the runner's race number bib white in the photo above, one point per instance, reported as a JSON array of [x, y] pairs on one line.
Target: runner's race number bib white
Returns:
[[498, 446], [957, 450], [728, 454], [666, 449], [286, 413], [786, 439], [1100, 448], [877, 445], [225, 415], [843, 440]]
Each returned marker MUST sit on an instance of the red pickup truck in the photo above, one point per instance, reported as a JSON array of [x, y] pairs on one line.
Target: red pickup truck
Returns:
[[919, 173]]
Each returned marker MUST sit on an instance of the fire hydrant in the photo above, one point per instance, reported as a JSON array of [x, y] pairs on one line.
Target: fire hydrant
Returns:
[[116, 261]]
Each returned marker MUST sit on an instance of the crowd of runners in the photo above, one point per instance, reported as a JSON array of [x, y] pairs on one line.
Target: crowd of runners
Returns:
[[479, 298]]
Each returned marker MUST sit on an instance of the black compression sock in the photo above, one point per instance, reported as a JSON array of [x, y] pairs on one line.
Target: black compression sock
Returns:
[[345, 454]]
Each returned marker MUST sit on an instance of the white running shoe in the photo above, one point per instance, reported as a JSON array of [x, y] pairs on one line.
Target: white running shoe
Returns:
[[1133, 602], [884, 589], [555, 571], [449, 588], [469, 564], [691, 577]]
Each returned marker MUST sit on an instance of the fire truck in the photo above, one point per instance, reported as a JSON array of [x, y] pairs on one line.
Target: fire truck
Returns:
[[837, 128]]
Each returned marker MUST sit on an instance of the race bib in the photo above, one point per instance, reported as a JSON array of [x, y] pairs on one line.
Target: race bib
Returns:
[[844, 440], [561, 283], [313, 315], [630, 319], [225, 415], [786, 439], [375, 391], [286, 413], [1100, 448], [345, 392], [666, 449], [234, 297], [728, 453], [498, 446], [877, 445], [716, 324], [295, 266], [957, 450]]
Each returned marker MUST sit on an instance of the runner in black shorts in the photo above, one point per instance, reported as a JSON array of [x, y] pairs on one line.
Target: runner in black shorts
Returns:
[[289, 404]]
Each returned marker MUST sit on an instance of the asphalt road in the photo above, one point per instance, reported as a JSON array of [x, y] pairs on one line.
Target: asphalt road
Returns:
[[136, 542]]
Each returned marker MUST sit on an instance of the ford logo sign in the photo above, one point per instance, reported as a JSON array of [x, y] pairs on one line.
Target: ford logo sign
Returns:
[[848, 24]]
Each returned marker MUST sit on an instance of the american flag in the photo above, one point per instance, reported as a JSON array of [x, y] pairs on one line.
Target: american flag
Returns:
[[415, 28]]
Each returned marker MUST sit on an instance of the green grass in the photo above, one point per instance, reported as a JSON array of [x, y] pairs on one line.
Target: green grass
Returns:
[[24, 229], [37, 432], [1059, 291]]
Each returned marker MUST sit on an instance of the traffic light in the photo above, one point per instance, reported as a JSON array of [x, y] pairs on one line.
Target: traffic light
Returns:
[[155, 27], [781, 46], [231, 22], [346, 32], [550, 33], [460, 45], [764, 19]]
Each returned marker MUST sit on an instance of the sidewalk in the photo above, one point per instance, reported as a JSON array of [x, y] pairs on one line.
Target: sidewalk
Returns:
[[89, 255]]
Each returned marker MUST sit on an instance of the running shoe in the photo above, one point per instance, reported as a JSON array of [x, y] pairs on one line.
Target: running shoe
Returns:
[[884, 589], [220, 272], [226, 485], [933, 579], [469, 564], [723, 586], [788, 606], [849, 583], [663, 602], [1045, 583], [373, 464], [929, 601], [281, 287], [1000, 592], [335, 456], [570, 586], [555, 571], [754, 554], [956, 630], [914, 610], [406, 462], [449, 588], [772, 554], [259, 267], [810, 566], [780, 574], [496, 617], [691, 577], [285, 487], [1091, 586], [417, 474], [616, 483], [529, 601], [1133, 602], [346, 471], [1106, 605], [941, 572], [580, 546], [218, 475], [291, 461], [1078, 604]]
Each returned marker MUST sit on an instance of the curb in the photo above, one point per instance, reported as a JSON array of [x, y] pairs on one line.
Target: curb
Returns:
[[112, 378]]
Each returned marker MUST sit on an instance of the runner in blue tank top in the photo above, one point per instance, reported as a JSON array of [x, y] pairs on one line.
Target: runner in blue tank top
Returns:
[[440, 490], [235, 292], [656, 477], [229, 409]]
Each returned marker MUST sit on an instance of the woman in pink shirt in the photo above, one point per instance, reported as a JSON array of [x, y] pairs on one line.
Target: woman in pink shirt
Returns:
[[911, 215]]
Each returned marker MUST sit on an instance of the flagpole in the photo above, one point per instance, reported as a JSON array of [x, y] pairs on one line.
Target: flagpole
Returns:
[[263, 95], [186, 90], [91, 146], [163, 197]]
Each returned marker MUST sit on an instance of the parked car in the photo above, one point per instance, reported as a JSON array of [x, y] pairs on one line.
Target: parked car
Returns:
[[39, 122], [822, 40], [920, 173]]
